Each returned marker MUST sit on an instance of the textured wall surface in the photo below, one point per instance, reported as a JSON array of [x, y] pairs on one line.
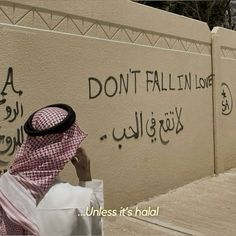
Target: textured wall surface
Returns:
[[224, 68], [142, 91]]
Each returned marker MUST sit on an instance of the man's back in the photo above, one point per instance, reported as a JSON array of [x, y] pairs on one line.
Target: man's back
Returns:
[[63, 209]]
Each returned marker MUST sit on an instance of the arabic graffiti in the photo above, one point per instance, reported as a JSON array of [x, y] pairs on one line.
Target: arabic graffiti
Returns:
[[227, 99], [13, 111], [12, 114], [12, 142], [3, 171], [156, 81], [152, 127]]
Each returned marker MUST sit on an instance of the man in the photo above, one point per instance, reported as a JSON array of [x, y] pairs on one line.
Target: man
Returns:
[[32, 200]]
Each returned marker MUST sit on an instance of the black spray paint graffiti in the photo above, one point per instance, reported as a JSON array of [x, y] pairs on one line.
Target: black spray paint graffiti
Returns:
[[2, 171], [227, 99], [113, 85], [154, 81], [158, 81], [9, 143], [13, 113], [9, 82], [151, 127]]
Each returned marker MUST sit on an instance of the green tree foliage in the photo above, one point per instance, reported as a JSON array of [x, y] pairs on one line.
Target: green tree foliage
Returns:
[[213, 12]]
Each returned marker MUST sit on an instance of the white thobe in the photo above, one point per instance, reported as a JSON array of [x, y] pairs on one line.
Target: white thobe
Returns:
[[63, 211]]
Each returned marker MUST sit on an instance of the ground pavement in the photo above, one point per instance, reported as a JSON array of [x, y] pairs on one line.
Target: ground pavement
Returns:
[[203, 207]]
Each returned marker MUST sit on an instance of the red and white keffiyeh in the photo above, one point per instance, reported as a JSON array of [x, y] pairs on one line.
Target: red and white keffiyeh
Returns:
[[36, 165]]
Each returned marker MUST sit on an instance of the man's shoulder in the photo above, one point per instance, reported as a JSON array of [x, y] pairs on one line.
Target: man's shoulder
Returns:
[[65, 196]]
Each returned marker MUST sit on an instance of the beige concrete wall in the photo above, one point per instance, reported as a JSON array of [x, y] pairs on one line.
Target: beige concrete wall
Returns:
[[224, 68], [151, 127]]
